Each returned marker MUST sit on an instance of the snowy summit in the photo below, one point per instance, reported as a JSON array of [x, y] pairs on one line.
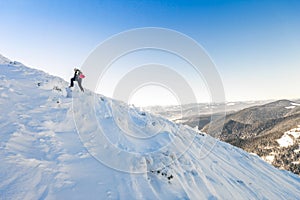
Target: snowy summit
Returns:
[[4, 60], [50, 148]]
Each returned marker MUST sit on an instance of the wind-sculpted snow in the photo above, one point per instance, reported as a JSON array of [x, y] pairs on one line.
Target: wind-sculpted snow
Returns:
[[93, 147]]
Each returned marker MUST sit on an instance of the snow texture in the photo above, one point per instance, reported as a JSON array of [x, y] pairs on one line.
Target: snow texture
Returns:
[[293, 105], [289, 137], [43, 157]]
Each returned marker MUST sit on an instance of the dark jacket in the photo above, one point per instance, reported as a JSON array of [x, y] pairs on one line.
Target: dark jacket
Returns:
[[76, 74]]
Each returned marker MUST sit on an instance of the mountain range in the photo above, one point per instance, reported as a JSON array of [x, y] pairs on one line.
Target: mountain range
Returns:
[[257, 127]]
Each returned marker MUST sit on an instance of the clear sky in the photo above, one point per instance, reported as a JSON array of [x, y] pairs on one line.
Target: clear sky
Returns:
[[255, 44]]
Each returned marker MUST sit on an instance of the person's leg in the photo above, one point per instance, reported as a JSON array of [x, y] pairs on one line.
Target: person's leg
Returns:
[[72, 82], [79, 84]]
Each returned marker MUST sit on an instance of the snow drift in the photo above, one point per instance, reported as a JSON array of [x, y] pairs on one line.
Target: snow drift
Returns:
[[50, 149]]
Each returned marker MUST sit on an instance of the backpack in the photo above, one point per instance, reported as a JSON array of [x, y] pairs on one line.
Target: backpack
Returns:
[[81, 75]]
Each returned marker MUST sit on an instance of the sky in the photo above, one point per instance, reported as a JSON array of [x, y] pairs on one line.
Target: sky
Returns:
[[254, 44]]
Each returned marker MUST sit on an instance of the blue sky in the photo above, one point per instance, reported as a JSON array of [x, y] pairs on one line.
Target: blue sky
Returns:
[[254, 44]]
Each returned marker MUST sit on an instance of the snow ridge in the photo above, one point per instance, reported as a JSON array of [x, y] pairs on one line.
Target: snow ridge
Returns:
[[43, 156], [4, 60]]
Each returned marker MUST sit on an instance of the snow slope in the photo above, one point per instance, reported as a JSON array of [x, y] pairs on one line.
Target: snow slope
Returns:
[[50, 149]]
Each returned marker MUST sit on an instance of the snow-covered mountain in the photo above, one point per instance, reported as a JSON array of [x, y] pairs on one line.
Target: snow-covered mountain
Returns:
[[199, 115], [51, 148]]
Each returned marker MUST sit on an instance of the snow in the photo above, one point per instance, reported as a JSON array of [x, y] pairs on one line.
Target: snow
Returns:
[[295, 132], [288, 137], [293, 105], [230, 104], [285, 141], [269, 158], [50, 148], [4, 60], [290, 107]]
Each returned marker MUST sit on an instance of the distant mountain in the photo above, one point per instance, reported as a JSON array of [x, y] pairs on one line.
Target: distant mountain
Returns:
[[260, 131], [189, 113], [257, 130], [257, 120], [253, 126]]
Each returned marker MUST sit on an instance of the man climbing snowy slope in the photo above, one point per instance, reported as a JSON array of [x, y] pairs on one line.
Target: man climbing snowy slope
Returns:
[[78, 76]]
